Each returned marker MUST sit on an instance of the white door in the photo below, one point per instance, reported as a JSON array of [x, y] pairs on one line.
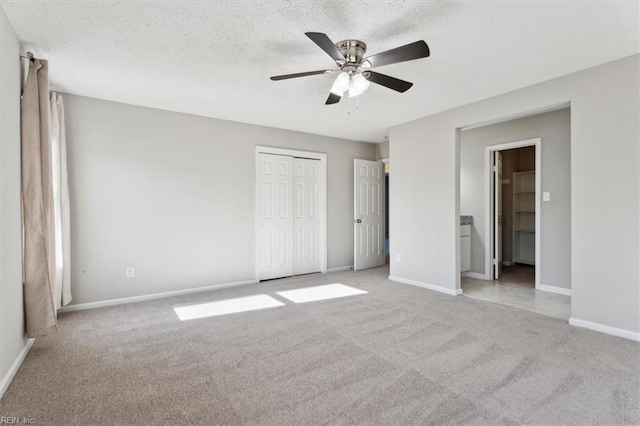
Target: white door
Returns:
[[497, 215], [306, 220], [275, 206], [369, 215]]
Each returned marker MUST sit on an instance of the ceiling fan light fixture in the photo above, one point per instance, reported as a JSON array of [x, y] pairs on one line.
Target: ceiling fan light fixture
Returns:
[[341, 84], [358, 85]]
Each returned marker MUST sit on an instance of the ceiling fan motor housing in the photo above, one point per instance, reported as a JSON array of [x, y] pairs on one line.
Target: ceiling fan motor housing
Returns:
[[353, 52]]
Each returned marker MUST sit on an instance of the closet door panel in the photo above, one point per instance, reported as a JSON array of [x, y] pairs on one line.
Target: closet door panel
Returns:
[[275, 202], [306, 221]]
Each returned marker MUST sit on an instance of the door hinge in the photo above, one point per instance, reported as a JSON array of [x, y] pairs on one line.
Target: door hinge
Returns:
[[495, 169], [495, 261]]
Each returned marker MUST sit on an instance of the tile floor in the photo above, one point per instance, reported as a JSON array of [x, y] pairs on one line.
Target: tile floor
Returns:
[[516, 288]]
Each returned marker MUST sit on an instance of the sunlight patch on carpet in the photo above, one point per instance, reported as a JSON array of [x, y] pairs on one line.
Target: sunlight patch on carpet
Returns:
[[321, 292], [224, 307]]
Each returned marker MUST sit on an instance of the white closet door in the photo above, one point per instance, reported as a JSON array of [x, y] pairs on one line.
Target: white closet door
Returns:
[[275, 202], [369, 215], [306, 220]]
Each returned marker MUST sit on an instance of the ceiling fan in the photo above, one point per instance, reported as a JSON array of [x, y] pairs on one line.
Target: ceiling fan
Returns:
[[355, 71]]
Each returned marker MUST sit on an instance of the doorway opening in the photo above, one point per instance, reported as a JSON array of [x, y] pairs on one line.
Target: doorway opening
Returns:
[[515, 206], [515, 228], [512, 210]]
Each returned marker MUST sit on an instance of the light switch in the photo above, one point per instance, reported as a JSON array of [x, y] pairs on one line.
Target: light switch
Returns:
[[546, 196]]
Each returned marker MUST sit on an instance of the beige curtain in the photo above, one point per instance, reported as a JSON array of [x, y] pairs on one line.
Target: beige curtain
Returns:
[[37, 202], [61, 268]]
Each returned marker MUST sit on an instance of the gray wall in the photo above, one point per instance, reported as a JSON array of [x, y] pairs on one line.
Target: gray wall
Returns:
[[554, 128], [173, 196], [12, 334], [605, 189], [382, 150]]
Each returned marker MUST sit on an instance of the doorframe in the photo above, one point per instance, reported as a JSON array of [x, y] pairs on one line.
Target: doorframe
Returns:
[[489, 201], [322, 157]]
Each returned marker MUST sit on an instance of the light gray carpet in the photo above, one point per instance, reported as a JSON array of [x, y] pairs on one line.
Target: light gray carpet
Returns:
[[397, 355]]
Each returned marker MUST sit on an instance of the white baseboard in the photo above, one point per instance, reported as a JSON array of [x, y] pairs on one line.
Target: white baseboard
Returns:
[[475, 275], [340, 269], [613, 331], [556, 290], [143, 298], [505, 263], [6, 380], [426, 285]]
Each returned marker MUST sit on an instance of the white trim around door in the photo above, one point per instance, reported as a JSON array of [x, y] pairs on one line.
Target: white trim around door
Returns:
[[488, 211], [322, 159]]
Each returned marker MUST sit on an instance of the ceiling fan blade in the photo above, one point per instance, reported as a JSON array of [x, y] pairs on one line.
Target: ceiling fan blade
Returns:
[[325, 43], [333, 99], [300, 74], [388, 81], [409, 52]]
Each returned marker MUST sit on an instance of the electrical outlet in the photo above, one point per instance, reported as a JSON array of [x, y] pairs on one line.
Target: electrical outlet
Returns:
[[546, 196], [130, 272], [397, 258]]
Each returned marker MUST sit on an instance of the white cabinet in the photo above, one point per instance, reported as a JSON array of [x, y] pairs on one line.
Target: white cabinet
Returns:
[[524, 217], [465, 248]]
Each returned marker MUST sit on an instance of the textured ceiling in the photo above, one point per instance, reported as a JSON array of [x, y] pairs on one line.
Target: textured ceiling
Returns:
[[215, 58]]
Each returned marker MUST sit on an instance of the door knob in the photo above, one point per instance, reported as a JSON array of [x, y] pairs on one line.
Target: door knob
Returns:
[[358, 220]]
